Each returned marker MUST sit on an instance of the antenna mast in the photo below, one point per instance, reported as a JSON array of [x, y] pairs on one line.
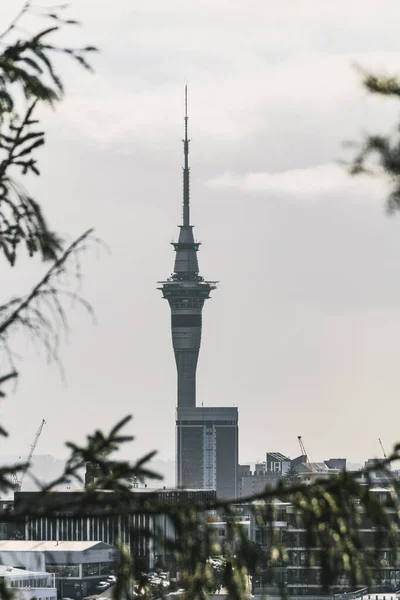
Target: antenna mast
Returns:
[[186, 213]]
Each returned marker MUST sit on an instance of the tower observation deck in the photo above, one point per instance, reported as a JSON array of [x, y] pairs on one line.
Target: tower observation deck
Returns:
[[186, 292]]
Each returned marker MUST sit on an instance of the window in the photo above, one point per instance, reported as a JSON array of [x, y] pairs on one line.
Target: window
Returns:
[[63, 570], [107, 568], [91, 570]]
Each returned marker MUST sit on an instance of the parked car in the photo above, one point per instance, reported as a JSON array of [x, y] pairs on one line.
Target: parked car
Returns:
[[103, 585]]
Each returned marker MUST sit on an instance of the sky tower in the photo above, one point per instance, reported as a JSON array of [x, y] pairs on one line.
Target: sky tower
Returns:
[[206, 438], [186, 292]]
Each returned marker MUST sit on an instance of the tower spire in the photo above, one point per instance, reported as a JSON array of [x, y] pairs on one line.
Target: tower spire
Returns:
[[186, 209]]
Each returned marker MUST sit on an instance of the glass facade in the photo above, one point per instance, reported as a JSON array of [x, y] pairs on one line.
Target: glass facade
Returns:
[[190, 443], [63, 570], [226, 451]]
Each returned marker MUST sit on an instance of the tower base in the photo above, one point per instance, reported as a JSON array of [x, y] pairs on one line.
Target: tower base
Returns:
[[207, 449]]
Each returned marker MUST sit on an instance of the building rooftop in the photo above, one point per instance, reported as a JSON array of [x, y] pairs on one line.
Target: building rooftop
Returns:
[[15, 572], [277, 456], [49, 546]]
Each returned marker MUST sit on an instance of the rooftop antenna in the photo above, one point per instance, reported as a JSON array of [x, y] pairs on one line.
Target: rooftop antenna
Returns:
[[186, 213]]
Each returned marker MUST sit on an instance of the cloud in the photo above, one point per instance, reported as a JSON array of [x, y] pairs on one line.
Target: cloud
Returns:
[[309, 183]]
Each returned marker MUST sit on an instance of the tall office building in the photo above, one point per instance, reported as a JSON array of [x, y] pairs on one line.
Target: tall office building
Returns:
[[206, 444], [207, 449]]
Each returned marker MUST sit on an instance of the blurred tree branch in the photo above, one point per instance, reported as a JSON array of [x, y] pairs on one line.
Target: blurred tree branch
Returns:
[[379, 155]]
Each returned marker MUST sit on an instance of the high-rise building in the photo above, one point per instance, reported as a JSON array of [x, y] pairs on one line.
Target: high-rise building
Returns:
[[207, 449], [207, 438]]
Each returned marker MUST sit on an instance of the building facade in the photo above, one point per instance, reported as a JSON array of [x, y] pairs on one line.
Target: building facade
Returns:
[[300, 574], [277, 463], [73, 568], [25, 584], [207, 449], [206, 439]]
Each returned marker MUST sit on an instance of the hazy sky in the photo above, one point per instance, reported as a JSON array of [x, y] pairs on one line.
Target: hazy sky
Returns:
[[303, 332]]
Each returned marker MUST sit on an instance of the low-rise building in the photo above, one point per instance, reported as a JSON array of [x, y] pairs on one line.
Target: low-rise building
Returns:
[[264, 474], [26, 585], [296, 574], [100, 521], [251, 483], [77, 567]]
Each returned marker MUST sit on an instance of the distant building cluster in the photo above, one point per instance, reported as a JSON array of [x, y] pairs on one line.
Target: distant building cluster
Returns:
[[74, 556], [278, 467]]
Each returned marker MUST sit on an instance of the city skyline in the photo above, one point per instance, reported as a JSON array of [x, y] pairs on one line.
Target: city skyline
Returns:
[[306, 327]]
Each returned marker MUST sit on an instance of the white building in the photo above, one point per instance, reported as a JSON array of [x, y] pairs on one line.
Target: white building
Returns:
[[26, 585], [77, 567]]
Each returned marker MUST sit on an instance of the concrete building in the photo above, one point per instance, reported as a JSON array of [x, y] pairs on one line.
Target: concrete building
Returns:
[[205, 455], [207, 449], [267, 473], [76, 566], [26, 585], [277, 465], [252, 483], [298, 575], [223, 535]]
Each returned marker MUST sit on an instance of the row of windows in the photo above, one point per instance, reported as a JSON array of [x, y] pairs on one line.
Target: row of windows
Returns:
[[69, 570], [88, 570], [186, 303], [179, 292], [31, 582], [97, 569]]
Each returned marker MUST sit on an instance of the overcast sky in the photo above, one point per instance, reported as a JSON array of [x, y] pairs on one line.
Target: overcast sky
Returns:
[[303, 332]]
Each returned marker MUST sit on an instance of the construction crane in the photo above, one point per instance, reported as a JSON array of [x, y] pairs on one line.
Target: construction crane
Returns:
[[383, 449], [19, 481], [304, 453]]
